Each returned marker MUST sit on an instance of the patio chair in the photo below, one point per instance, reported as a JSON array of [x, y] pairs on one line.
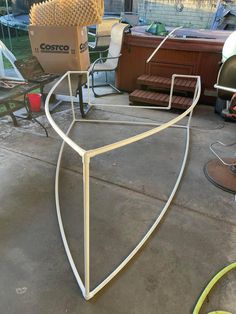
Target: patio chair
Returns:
[[15, 85], [109, 63], [102, 37], [9, 78], [221, 171]]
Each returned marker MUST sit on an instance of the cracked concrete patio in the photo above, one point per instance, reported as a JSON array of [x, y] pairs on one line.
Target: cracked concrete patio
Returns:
[[129, 186]]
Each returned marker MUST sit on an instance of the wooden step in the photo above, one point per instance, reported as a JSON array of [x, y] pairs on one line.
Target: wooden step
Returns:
[[181, 84], [159, 99]]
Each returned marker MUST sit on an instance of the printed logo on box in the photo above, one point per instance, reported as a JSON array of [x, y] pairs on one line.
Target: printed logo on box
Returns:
[[83, 47], [51, 48], [54, 48]]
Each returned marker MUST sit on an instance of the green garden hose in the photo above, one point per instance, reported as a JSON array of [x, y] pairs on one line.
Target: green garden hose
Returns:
[[208, 288]]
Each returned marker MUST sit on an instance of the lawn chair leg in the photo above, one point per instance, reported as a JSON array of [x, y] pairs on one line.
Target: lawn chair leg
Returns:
[[27, 107], [92, 86], [39, 123], [13, 119], [116, 90], [81, 101], [30, 116], [84, 107]]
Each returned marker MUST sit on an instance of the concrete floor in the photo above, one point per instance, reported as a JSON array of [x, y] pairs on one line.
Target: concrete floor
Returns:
[[129, 186]]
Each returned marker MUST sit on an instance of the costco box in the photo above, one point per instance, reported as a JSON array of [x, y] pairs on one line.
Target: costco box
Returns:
[[60, 48]]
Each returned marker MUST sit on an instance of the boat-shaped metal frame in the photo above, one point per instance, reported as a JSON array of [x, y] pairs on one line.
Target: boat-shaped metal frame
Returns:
[[86, 156]]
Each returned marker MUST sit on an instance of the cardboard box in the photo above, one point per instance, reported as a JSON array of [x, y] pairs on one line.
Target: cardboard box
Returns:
[[60, 48]]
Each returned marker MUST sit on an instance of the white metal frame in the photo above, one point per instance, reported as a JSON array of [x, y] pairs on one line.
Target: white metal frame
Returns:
[[4, 51], [86, 155]]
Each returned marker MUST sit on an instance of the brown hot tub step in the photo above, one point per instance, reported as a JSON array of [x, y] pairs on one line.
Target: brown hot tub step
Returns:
[[187, 85], [159, 99]]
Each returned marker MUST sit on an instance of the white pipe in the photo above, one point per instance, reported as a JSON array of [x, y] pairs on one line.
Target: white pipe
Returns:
[[86, 155], [61, 227], [227, 89], [86, 188], [153, 227], [143, 135], [64, 136], [128, 123], [161, 43]]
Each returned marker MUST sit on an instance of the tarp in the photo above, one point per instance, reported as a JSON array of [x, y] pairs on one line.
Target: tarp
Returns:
[[221, 15]]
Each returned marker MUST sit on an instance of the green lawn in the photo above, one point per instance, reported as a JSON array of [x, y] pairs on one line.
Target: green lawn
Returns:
[[21, 46]]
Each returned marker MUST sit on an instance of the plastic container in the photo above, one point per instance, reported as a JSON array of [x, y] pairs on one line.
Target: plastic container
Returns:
[[229, 48], [35, 102]]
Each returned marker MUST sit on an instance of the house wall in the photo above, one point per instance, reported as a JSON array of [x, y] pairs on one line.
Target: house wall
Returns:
[[195, 14], [116, 6]]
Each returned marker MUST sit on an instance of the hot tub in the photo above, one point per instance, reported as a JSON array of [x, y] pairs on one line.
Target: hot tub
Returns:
[[188, 51]]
